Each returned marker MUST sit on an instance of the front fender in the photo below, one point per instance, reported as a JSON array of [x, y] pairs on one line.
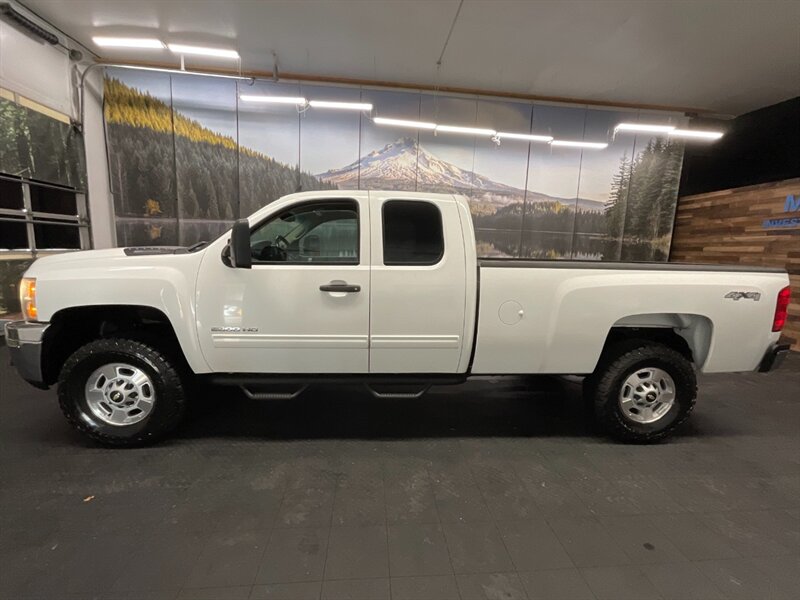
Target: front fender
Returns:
[[164, 283]]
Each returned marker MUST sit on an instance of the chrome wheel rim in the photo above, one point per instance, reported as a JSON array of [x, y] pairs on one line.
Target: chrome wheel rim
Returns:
[[647, 395], [120, 394]]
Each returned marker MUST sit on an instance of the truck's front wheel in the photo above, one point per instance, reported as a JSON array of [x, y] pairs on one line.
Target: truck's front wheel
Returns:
[[642, 391], [121, 392]]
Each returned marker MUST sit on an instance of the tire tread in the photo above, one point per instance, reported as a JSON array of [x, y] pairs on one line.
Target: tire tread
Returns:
[[172, 405], [602, 387]]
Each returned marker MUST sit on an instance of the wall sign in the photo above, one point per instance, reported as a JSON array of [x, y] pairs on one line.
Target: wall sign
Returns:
[[792, 208]]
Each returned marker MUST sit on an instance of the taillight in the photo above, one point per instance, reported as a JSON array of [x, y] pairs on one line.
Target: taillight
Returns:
[[781, 309]]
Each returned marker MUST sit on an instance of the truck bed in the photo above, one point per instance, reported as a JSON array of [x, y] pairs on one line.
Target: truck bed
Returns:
[[550, 316]]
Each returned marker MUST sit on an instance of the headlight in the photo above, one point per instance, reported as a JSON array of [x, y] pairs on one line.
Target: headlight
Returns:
[[27, 298]]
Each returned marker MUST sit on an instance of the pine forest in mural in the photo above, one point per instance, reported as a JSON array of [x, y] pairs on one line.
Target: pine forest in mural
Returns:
[[187, 158]]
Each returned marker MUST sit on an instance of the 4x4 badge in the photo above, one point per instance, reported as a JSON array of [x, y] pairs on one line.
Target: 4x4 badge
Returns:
[[747, 295]]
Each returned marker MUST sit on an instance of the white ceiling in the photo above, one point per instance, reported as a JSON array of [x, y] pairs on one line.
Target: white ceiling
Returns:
[[720, 56]]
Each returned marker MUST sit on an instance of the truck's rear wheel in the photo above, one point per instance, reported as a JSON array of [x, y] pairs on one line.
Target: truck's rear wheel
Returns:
[[642, 391], [121, 392]]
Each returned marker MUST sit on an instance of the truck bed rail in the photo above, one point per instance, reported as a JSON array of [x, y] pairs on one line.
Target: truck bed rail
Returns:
[[524, 263]]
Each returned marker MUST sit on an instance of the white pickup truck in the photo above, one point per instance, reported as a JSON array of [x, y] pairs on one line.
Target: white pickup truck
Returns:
[[384, 288]]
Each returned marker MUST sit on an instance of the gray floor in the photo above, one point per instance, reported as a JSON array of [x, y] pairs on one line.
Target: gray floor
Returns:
[[491, 490]]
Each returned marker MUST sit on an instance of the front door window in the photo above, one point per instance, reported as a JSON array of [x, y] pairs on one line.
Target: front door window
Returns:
[[318, 232]]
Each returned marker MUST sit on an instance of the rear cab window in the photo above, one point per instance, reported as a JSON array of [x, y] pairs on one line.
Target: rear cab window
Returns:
[[412, 233]]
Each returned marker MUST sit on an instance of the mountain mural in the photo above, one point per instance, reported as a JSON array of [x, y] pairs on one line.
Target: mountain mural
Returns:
[[398, 164], [180, 177]]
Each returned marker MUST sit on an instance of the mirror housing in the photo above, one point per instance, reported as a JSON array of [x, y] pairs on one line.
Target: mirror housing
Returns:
[[239, 245]]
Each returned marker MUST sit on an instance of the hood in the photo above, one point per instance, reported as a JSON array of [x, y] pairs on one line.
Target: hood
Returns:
[[54, 260], [108, 258]]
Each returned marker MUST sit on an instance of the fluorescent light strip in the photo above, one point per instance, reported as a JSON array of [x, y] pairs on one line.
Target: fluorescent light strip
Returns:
[[532, 137], [202, 51], [467, 130], [645, 127], [115, 42], [696, 134], [569, 144], [404, 123], [176, 71], [340, 105], [273, 99]]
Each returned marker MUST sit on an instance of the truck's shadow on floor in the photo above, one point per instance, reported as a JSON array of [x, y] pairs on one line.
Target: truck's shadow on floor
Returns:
[[505, 407]]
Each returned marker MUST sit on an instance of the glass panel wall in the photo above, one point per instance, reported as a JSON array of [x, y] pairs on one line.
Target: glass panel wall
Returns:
[[35, 219]]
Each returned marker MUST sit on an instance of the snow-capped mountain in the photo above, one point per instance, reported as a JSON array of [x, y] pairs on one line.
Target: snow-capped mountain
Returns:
[[404, 161]]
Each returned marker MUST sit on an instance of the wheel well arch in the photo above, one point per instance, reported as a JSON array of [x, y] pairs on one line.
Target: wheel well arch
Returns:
[[71, 328], [688, 334]]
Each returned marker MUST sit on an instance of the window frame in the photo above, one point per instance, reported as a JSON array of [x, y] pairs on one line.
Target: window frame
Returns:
[[383, 234], [356, 261], [30, 218]]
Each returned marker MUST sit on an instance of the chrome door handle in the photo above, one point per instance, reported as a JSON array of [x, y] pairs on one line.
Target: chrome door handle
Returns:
[[339, 287]]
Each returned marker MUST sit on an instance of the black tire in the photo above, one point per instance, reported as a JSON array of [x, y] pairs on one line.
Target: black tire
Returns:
[[604, 385], [168, 408]]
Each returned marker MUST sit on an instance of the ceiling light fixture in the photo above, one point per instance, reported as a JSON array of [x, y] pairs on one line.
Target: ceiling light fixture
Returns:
[[340, 105], [532, 137], [467, 130], [202, 51], [115, 42], [696, 134], [273, 99], [570, 144], [644, 127], [176, 71], [404, 123]]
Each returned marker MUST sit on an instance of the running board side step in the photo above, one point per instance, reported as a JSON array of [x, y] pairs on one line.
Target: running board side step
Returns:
[[379, 379], [273, 395], [396, 395]]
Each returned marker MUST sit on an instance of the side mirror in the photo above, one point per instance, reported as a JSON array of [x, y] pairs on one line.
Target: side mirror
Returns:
[[239, 245]]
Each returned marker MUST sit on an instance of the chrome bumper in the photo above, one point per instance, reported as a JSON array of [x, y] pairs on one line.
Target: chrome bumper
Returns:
[[24, 341], [774, 357]]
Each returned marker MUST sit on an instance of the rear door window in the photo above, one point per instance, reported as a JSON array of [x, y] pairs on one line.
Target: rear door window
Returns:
[[412, 233]]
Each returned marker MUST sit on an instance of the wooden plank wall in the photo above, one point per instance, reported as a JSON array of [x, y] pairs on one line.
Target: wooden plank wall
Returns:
[[727, 227]]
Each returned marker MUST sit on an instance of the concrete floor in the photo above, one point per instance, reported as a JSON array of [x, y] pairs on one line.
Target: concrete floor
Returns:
[[491, 490]]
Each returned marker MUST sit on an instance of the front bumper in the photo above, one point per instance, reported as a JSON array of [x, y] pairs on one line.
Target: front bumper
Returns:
[[24, 341], [774, 356]]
